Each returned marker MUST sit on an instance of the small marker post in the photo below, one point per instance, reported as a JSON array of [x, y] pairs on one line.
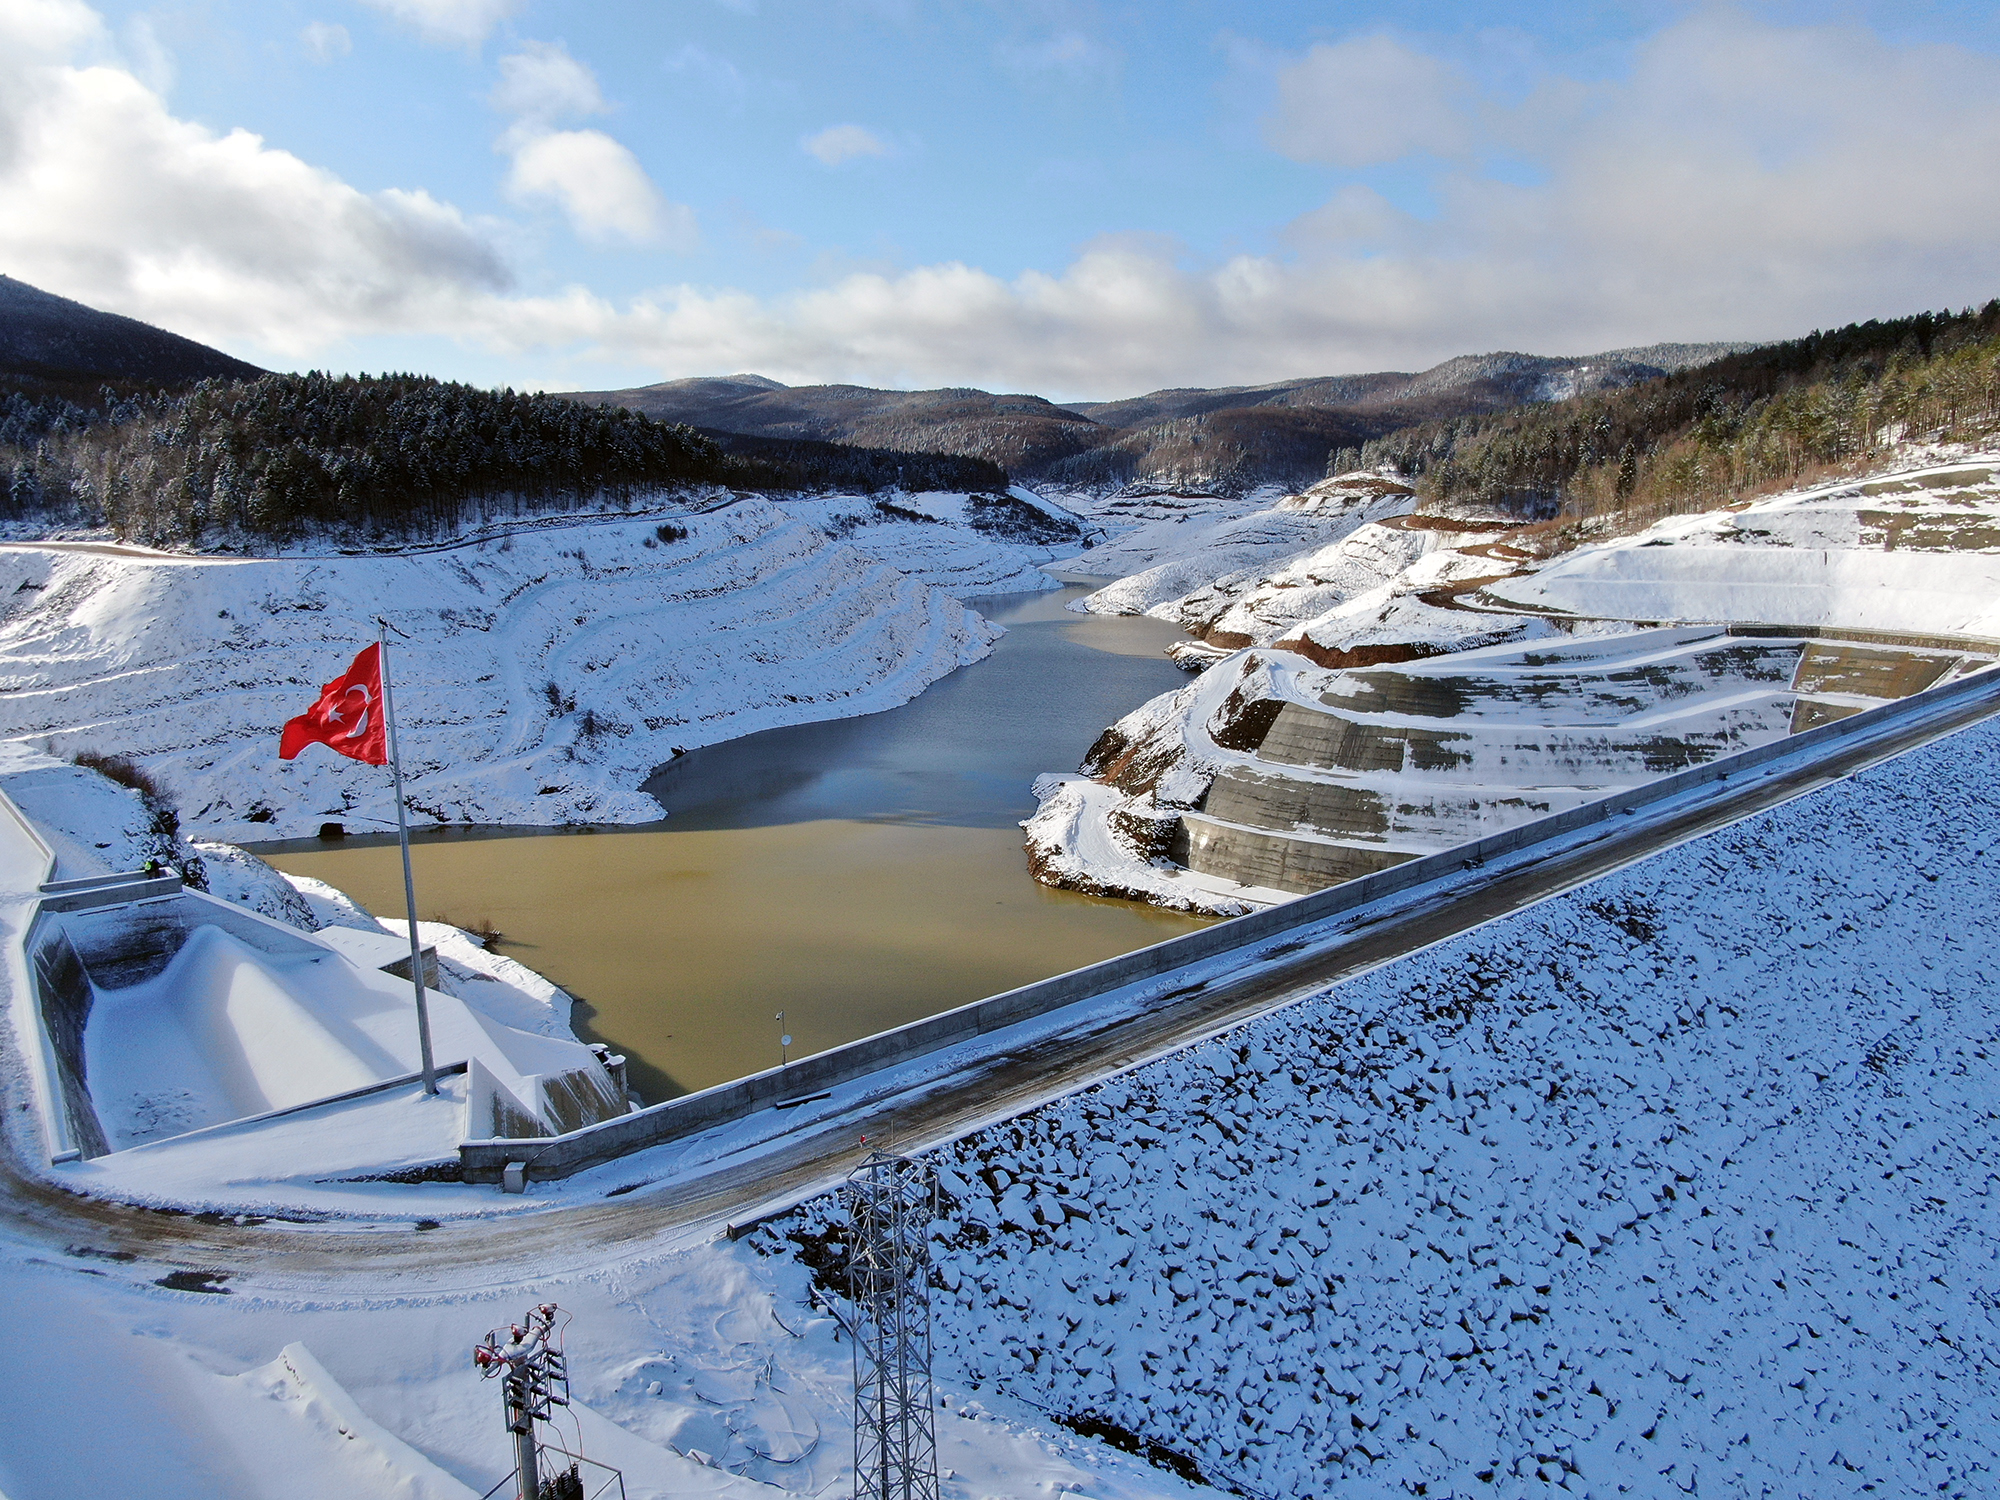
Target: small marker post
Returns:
[[382, 628], [784, 1042]]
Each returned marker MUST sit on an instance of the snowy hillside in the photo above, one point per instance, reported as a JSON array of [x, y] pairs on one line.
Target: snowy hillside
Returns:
[[1679, 1184], [545, 674], [1379, 649], [1342, 572], [1912, 551], [1241, 546], [43, 334]]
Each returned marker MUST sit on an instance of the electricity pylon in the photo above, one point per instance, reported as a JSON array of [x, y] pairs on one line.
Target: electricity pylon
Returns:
[[892, 1202]]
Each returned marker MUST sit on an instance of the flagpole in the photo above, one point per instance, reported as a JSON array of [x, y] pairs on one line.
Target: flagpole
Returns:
[[403, 837]]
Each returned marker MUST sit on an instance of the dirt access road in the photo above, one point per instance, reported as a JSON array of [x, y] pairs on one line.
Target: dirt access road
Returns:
[[352, 1258]]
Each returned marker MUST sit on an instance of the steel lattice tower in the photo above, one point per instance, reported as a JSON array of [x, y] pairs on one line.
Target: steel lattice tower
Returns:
[[892, 1201]]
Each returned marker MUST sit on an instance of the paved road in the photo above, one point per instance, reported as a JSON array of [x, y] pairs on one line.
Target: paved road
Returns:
[[346, 1258]]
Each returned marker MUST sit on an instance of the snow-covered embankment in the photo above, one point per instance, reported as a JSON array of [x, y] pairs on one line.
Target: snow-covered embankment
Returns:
[[1325, 638], [544, 676], [1678, 1184]]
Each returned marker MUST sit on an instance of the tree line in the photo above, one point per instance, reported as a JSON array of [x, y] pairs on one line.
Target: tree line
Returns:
[[1766, 418], [273, 460]]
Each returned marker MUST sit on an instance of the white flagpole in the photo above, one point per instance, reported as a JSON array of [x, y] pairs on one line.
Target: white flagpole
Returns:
[[409, 885]]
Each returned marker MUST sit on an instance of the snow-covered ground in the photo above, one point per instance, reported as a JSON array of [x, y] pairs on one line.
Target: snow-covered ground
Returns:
[[1145, 523], [1917, 550], [545, 673], [963, 544], [1679, 1184], [698, 1369], [1237, 547], [1914, 551], [190, 1053]]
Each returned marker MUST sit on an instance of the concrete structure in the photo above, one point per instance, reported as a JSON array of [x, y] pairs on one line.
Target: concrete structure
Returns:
[[1400, 761], [156, 1013]]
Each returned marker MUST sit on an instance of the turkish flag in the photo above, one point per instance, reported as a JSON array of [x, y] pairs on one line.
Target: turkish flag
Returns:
[[348, 717]]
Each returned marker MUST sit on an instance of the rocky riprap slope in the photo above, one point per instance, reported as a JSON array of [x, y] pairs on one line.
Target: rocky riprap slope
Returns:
[[1678, 1184]]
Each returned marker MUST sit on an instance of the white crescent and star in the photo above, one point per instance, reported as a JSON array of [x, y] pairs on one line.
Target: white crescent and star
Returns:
[[338, 715]]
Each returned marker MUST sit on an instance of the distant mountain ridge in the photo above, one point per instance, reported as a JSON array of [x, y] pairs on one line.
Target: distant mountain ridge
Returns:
[[47, 337], [1230, 437]]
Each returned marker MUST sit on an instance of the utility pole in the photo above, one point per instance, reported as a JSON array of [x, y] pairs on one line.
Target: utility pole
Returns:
[[892, 1202], [534, 1377]]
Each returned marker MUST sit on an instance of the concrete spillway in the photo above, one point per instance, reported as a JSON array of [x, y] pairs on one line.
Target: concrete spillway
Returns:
[[1395, 762]]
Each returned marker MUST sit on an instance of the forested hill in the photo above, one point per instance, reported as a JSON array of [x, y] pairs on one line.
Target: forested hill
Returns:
[[271, 460], [1767, 417], [52, 339], [1229, 438]]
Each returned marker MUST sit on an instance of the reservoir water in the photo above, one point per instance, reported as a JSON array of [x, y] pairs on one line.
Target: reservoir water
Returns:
[[854, 874]]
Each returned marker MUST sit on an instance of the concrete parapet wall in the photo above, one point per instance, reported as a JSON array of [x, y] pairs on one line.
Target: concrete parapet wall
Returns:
[[560, 1156]]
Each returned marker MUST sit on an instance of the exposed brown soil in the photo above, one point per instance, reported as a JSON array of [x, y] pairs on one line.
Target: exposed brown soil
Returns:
[[1359, 656]]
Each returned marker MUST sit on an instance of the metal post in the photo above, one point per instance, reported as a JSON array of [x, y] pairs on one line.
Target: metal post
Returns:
[[534, 1379], [409, 884]]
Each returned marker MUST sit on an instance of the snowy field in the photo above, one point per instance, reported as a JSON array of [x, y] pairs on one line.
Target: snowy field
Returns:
[[547, 672], [1679, 1184]]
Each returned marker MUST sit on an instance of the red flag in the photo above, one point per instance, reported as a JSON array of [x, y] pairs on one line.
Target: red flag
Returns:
[[348, 717]]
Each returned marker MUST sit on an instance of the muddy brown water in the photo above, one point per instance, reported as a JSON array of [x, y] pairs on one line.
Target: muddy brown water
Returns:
[[855, 874]]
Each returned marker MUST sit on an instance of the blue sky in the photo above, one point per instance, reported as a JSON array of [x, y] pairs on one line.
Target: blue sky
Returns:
[[1083, 199]]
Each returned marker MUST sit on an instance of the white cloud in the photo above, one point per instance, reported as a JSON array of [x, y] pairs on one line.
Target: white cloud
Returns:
[[716, 73], [839, 143], [602, 188], [1067, 56], [112, 200], [1368, 100], [597, 182], [146, 55], [1739, 180], [42, 29], [326, 41], [449, 23], [543, 83]]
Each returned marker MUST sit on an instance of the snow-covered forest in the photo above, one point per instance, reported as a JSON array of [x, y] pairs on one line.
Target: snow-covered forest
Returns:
[[267, 461]]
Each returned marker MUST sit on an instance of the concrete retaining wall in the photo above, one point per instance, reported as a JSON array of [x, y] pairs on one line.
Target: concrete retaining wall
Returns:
[[64, 996], [559, 1156]]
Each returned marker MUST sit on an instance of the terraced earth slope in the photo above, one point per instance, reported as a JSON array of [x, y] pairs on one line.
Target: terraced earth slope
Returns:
[[1394, 762], [543, 674], [1423, 681]]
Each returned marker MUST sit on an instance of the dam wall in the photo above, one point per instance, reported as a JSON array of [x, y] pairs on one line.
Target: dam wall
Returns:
[[555, 1157]]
